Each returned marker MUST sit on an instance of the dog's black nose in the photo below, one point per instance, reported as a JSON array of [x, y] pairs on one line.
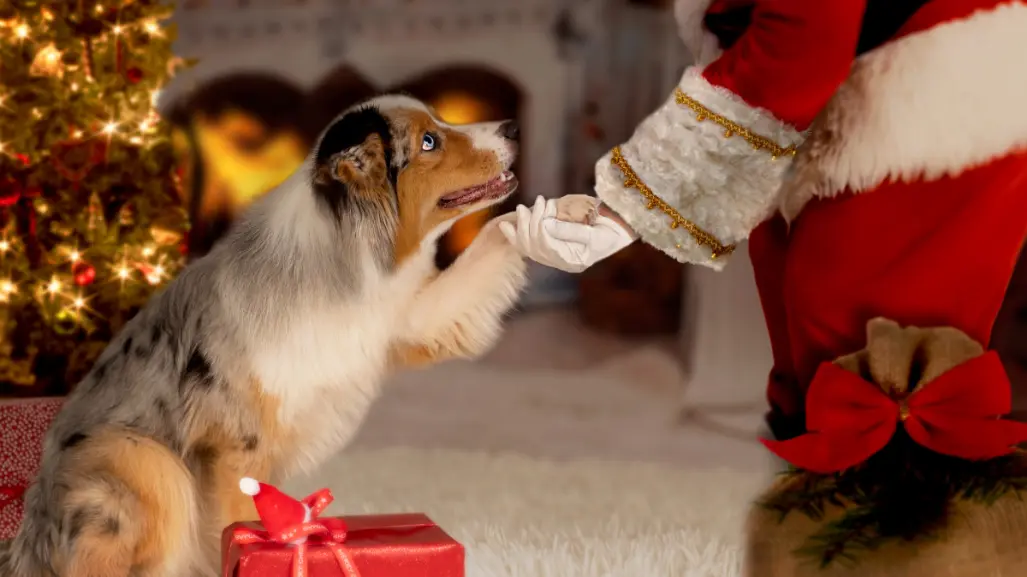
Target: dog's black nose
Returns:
[[509, 130]]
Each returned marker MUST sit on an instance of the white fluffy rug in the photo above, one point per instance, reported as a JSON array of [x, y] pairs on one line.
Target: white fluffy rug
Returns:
[[520, 517]]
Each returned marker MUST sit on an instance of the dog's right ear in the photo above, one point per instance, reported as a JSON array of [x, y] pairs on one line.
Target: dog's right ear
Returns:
[[353, 162]]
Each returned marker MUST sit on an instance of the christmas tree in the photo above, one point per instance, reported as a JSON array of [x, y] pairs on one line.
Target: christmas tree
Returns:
[[91, 223]]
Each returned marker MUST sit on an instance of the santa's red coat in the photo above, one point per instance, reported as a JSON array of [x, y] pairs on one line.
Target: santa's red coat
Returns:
[[907, 197]]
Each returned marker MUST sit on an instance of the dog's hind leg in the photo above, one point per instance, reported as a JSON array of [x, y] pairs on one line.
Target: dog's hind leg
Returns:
[[460, 313], [129, 509]]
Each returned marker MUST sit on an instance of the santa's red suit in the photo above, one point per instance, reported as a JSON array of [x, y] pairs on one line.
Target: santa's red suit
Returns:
[[872, 151]]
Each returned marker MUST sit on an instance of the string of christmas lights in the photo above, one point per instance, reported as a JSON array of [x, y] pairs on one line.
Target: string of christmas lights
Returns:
[[91, 222]]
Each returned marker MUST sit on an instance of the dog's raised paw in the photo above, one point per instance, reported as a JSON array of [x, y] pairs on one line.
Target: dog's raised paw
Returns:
[[579, 208]]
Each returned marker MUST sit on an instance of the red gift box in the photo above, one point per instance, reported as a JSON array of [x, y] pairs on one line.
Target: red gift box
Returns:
[[399, 545], [23, 423]]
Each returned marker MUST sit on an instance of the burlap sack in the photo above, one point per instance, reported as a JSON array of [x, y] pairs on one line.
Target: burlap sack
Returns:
[[979, 540]]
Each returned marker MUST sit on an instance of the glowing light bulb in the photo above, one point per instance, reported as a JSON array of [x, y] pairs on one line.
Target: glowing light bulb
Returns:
[[148, 251], [124, 273], [7, 287], [74, 256], [79, 302], [99, 8], [158, 271], [135, 140], [74, 86], [4, 246], [117, 29], [76, 134], [22, 31], [110, 128], [151, 27], [54, 287]]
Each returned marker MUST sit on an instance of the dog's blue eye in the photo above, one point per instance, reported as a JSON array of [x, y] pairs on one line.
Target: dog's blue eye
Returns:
[[428, 143]]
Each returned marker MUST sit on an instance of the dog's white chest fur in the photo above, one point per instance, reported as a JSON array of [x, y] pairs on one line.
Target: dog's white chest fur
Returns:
[[328, 367], [325, 371]]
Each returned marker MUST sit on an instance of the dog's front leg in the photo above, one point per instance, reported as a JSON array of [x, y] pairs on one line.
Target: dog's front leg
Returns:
[[459, 314]]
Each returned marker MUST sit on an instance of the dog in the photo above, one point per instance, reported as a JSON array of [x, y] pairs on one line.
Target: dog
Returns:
[[262, 358]]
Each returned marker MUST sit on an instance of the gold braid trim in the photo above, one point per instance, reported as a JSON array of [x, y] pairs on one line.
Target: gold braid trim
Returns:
[[703, 238], [731, 128]]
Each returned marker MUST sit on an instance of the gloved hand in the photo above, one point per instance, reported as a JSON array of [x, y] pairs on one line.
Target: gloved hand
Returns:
[[567, 246]]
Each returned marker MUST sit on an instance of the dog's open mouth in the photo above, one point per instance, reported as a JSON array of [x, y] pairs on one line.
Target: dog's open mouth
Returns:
[[498, 187]]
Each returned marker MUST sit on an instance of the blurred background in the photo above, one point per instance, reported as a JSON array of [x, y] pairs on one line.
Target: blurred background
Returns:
[[639, 358]]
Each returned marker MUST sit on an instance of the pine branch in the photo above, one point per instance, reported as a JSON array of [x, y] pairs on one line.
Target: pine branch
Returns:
[[902, 493]]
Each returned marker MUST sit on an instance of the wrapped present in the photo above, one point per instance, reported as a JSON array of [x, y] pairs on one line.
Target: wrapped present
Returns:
[[292, 540], [23, 423]]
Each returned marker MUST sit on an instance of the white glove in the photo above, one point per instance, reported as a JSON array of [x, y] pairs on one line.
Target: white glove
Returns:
[[568, 246]]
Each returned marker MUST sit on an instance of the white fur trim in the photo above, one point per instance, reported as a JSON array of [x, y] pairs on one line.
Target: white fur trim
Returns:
[[925, 106], [719, 183], [700, 42], [249, 486]]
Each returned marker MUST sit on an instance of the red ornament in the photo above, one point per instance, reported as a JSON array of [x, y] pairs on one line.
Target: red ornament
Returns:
[[134, 74], [73, 159], [23, 158], [83, 273]]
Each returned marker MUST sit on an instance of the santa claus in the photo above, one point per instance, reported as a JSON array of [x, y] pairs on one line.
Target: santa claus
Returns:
[[871, 151], [874, 155]]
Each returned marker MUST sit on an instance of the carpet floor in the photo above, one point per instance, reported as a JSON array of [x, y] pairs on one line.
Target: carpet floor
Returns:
[[521, 516]]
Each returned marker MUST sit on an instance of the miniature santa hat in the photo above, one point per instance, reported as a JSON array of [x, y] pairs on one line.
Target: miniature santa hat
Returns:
[[277, 510]]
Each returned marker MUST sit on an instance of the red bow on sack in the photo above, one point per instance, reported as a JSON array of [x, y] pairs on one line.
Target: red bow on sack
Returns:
[[330, 532], [957, 414]]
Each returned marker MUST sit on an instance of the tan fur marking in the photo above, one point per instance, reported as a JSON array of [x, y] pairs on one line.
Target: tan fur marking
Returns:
[[155, 518], [364, 171], [431, 175], [451, 345]]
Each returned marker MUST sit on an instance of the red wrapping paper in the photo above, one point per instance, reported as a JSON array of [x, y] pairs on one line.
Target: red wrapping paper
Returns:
[[23, 424], [400, 545]]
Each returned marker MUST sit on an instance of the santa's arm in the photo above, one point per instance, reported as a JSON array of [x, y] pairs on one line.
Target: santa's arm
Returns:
[[702, 171]]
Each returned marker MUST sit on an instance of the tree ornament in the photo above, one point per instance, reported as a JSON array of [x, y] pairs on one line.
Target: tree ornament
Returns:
[[96, 224], [65, 322], [134, 74], [165, 236], [83, 273], [73, 159], [47, 62]]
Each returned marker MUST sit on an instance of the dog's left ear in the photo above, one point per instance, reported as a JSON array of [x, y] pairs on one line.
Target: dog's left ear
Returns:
[[353, 162]]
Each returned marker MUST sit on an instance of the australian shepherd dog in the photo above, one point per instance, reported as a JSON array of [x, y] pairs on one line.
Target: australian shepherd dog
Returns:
[[262, 358]]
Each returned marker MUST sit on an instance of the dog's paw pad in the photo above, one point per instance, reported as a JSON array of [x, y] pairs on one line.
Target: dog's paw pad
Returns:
[[579, 208]]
